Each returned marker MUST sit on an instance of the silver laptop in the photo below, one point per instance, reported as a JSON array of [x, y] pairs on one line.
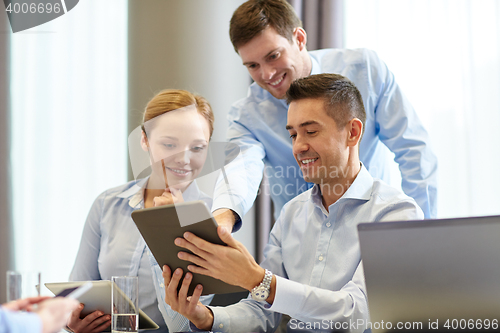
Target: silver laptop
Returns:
[[439, 273]]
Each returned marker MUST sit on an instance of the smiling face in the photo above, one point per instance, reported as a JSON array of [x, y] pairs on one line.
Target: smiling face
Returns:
[[180, 139], [273, 62], [319, 146]]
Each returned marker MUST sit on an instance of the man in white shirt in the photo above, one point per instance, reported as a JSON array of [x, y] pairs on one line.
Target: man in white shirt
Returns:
[[312, 267]]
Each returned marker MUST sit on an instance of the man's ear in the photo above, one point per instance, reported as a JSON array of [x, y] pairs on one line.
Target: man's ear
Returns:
[[300, 37], [144, 142], [355, 129]]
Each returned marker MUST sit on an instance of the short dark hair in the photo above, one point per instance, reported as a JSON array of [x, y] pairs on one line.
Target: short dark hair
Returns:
[[253, 16], [343, 101]]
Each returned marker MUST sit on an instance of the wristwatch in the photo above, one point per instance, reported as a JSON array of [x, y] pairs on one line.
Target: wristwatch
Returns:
[[261, 292]]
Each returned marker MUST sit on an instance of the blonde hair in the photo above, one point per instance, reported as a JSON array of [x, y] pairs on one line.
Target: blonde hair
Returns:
[[172, 99]]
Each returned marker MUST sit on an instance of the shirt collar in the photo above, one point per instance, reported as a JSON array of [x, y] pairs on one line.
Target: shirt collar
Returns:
[[135, 193], [360, 189], [315, 68]]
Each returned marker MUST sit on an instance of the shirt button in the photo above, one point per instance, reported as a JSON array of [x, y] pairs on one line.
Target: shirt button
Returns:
[[162, 285], [320, 258], [328, 224], [221, 325]]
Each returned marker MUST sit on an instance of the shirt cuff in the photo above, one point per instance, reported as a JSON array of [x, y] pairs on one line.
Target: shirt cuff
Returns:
[[220, 324], [225, 202], [288, 298], [221, 320]]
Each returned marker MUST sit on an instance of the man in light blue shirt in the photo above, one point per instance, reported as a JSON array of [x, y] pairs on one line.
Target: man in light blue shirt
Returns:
[[50, 314], [312, 268], [272, 45]]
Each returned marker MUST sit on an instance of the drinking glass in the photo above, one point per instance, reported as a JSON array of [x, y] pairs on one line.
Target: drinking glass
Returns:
[[22, 284], [125, 299]]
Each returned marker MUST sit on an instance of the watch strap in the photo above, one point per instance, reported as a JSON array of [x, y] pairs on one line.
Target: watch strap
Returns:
[[264, 285]]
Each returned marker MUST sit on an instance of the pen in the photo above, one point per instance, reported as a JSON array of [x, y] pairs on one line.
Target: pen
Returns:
[[164, 173]]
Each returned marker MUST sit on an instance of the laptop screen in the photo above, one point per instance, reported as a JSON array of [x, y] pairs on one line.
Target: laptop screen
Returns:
[[432, 274]]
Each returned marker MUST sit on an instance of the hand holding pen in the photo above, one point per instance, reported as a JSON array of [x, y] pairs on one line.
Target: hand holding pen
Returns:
[[170, 196]]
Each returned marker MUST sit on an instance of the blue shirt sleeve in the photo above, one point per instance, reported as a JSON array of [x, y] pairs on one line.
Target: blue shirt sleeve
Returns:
[[238, 188], [19, 322]]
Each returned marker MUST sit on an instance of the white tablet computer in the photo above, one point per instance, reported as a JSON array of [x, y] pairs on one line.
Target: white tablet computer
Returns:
[[99, 298], [160, 226]]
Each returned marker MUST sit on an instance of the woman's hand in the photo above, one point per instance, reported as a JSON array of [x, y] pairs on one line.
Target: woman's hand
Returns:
[[93, 323], [170, 196]]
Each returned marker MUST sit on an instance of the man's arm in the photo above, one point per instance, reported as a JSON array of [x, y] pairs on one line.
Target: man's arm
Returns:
[[247, 315], [50, 315], [232, 264], [237, 259], [312, 304], [20, 322], [227, 218], [404, 134], [237, 187]]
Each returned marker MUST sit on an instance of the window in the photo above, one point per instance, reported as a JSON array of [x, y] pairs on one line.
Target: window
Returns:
[[69, 129], [444, 55]]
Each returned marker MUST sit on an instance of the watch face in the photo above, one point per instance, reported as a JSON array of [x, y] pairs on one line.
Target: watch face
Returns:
[[260, 294]]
